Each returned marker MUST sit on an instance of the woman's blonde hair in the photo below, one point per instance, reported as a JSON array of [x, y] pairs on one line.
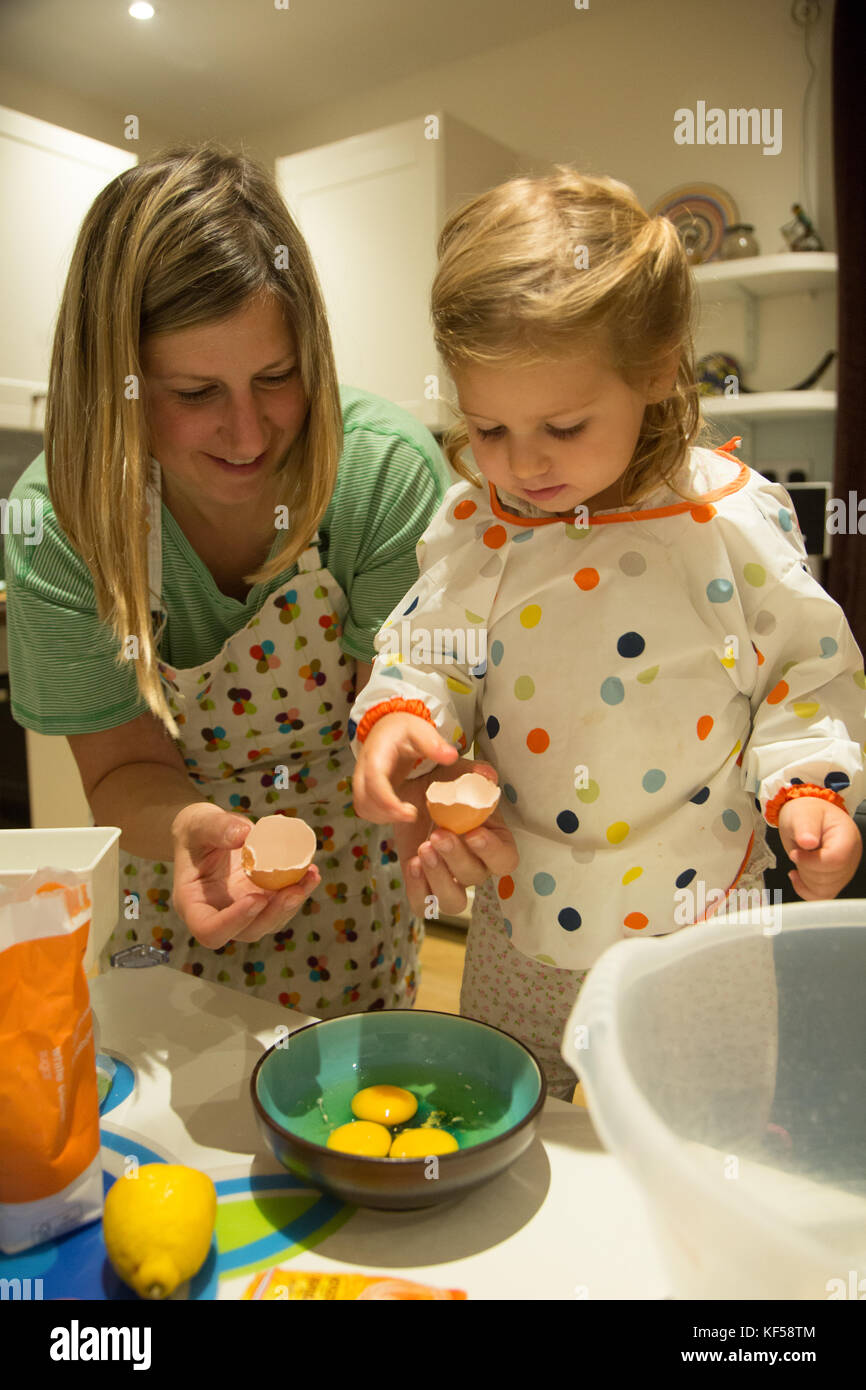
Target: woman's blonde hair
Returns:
[[546, 267], [186, 237]]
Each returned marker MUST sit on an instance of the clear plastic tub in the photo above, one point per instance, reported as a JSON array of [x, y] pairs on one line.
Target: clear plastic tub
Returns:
[[89, 850], [725, 1065]]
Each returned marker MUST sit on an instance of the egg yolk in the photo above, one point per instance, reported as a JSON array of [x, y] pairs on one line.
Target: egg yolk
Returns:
[[422, 1143], [387, 1105], [360, 1137]]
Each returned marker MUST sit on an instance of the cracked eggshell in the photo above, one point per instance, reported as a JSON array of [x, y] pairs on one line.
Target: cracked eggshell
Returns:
[[464, 804], [278, 851]]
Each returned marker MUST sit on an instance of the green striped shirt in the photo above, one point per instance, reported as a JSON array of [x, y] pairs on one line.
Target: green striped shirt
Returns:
[[64, 680]]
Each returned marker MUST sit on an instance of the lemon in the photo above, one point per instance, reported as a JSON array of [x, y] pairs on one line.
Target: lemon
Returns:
[[158, 1225]]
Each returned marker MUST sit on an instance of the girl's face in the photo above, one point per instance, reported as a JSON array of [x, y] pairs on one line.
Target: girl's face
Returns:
[[224, 402], [560, 434]]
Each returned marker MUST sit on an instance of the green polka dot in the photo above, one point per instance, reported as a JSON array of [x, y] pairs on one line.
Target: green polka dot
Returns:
[[524, 688], [860, 679], [649, 675], [755, 575], [577, 533], [787, 666], [588, 793], [653, 780], [473, 617], [805, 709]]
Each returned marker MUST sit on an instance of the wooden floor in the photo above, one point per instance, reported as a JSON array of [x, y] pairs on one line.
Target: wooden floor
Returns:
[[441, 971]]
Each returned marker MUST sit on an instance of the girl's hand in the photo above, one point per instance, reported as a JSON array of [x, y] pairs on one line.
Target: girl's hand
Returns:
[[212, 893], [394, 745], [445, 864], [441, 863], [824, 843]]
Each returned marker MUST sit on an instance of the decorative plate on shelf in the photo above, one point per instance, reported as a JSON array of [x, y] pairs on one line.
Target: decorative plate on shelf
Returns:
[[702, 208]]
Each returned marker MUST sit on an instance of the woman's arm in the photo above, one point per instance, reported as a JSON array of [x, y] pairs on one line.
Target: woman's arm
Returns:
[[134, 777]]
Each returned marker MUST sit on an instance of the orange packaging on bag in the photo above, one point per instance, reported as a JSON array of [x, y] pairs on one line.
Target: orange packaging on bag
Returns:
[[50, 1168], [283, 1284]]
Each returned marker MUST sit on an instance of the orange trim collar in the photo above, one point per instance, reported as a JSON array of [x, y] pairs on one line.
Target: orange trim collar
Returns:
[[676, 509]]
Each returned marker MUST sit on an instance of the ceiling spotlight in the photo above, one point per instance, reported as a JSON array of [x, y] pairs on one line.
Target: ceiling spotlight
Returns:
[[141, 10]]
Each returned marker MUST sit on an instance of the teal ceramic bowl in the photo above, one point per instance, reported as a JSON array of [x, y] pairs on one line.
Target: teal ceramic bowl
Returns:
[[489, 1086]]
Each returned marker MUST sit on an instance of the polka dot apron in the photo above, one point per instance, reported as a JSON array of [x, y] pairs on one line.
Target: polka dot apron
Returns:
[[277, 695]]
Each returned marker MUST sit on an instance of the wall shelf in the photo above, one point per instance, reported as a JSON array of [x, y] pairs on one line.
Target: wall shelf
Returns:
[[770, 405]]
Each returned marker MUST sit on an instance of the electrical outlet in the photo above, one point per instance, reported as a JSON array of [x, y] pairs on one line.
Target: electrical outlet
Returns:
[[784, 471]]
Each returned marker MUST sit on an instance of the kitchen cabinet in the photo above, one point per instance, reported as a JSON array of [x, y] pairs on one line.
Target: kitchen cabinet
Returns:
[[371, 208], [49, 177]]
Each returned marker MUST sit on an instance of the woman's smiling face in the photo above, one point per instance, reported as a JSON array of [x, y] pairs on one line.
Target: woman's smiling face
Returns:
[[225, 401], [559, 434]]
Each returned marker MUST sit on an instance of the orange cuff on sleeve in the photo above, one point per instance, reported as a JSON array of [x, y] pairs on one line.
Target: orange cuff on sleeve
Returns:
[[395, 706], [771, 815]]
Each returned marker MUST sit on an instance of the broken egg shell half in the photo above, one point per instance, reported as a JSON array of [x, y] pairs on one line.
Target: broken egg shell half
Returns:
[[464, 804], [278, 851]]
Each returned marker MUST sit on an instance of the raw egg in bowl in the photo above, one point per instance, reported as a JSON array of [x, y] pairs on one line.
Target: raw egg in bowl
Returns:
[[478, 1094], [464, 804], [278, 851]]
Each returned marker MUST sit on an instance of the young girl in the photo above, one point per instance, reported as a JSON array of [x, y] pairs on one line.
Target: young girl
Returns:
[[662, 673]]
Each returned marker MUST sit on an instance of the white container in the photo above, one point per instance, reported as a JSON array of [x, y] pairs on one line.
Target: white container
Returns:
[[89, 850], [725, 1065]]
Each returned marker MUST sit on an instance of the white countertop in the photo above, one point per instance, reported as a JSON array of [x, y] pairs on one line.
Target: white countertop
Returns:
[[564, 1222]]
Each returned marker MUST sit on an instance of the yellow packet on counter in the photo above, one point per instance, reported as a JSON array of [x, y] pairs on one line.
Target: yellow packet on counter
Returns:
[[294, 1283]]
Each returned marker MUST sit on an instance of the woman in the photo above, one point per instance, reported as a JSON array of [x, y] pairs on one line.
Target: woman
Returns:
[[201, 611]]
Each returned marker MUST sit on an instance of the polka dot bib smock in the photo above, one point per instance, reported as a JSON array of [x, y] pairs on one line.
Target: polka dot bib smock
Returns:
[[644, 684]]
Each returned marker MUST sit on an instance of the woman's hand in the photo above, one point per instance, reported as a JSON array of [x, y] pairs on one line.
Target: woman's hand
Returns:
[[444, 864], [824, 843], [212, 893]]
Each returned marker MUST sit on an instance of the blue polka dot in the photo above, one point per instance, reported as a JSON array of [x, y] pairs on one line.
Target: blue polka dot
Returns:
[[479, 670], [569, 919], [412, 606], [730, 820], [523, 535], [612, 691], [393, 672], [496, 653], [836, 781], [567, 822], [719, 590], [685, 878], [630, 644], [700, 797], [544, 884], [786, 521], [510, 793], [492, 726], [653, 780], [507, 925], [829, 647], [352, 728]]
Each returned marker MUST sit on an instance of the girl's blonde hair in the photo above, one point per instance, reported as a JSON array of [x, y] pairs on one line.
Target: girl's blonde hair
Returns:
[[510, 290], [186, 237]]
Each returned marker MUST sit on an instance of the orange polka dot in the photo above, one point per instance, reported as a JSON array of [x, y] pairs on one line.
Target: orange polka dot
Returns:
[[586, 579], [705, 723], [494, 537], [464, 509], [506, 886], [636, 921], [538, 740], [759, 655], [703, 512], [778, 693]]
